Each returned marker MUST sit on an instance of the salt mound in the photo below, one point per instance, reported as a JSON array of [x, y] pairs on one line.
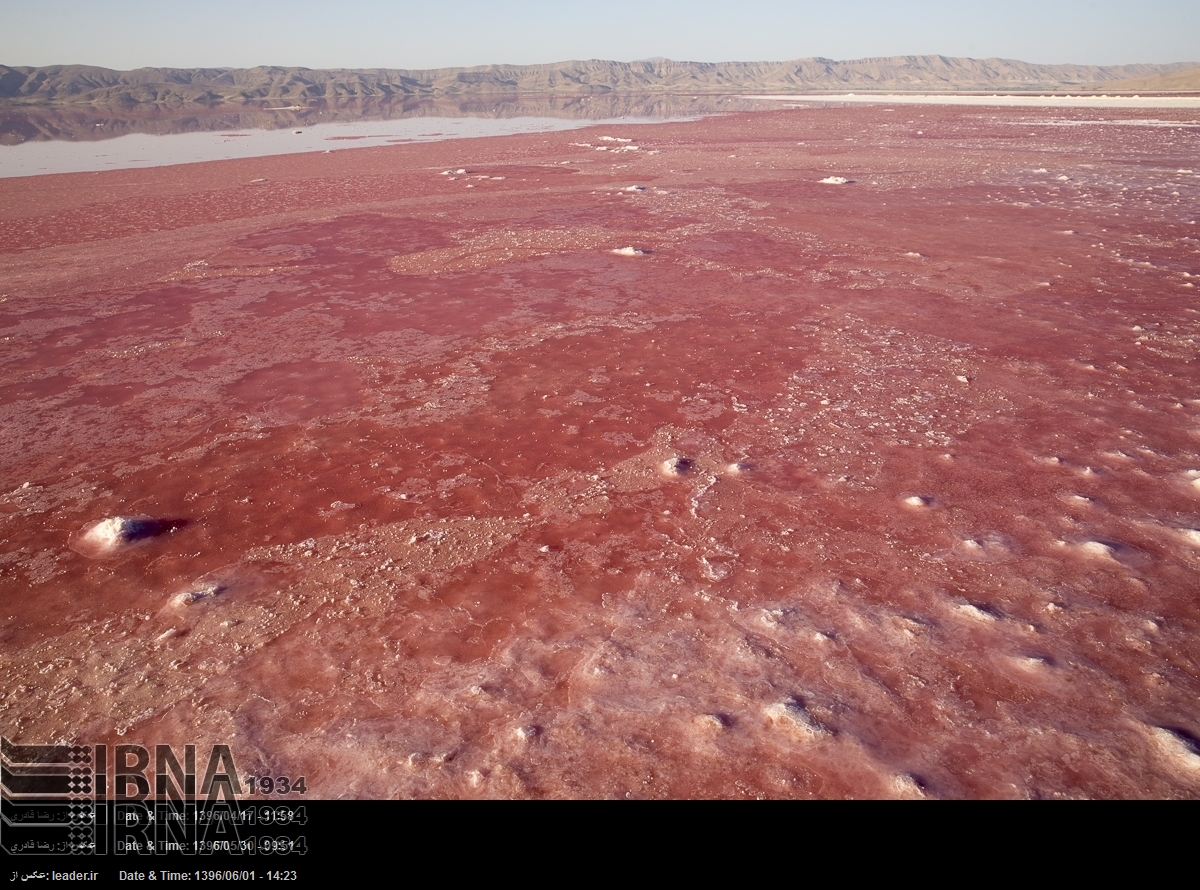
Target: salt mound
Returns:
[[528, 733], [978, 613], [907, 787], [1191, 535], [793, 715], [918, 501], [712, 722], [203, 591], [1177, 746], [629, 251], [834, 180], [677, 466], [1096, 548], [634, 188], [117, 531]]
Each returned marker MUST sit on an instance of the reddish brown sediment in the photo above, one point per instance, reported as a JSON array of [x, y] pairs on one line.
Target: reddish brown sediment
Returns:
[[880, 489]]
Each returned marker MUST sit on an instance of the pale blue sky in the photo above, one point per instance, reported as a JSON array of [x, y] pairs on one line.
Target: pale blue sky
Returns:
[[404, 34]]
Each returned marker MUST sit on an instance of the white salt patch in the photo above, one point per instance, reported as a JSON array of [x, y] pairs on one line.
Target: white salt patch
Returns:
[[527, 733], [961, 379], [713, 570], [972, 611], [629, 251], [917, 501], [710, 723], [676, 466], [109, 534], [737, 467], [1191, 535], [794, 716], [634, 188], [202, 591], [915, 255], [1029, 662], [834, 180], [1181, 752], [906, 787], [1097, 549]]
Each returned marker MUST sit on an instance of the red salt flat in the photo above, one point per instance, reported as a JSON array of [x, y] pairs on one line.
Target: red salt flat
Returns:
[[882, 489]]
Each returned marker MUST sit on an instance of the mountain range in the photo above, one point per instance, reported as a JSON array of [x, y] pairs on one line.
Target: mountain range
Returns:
[[85, 85]]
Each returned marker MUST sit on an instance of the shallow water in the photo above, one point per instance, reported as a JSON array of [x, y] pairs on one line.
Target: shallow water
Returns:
[[885, 488], [140, 150]]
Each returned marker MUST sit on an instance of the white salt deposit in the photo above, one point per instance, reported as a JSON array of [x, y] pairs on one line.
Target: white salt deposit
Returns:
[[1027, 101], [629, 251], [676, 466], [634, 188], [202, 591], [527, 733], [1176, 748], [906, 787], [1191, 535], [974, 612], [1098, 549], [834, 180], [791, 714], [711, 723], [917, 501], [114, 532]]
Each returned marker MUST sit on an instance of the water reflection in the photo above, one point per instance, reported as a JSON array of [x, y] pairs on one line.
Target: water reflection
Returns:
[[19, 125]]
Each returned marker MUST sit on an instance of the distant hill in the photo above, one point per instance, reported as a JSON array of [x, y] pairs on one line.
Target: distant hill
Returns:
[[1187, 81], [83, 85]]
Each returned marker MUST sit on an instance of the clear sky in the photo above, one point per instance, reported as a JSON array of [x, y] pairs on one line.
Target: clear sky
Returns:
[[431, 34]]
